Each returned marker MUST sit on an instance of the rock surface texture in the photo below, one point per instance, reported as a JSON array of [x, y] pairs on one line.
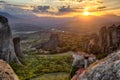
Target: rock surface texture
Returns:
[[105, 69], [6, 72], [7, 52]]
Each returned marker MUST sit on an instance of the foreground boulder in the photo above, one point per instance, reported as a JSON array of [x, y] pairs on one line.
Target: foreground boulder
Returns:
[[6, 72], [105, 69]]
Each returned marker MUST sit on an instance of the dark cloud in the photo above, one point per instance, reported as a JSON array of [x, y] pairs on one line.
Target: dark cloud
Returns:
[[83, 0], [41, 9], [74, 0], [61, 10], [80, 0], [101, 2], [65, 9], [112, 8], [101, 7], [3, 2]]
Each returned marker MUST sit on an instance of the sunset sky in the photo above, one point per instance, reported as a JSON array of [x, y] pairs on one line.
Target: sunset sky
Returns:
[[65, 7]]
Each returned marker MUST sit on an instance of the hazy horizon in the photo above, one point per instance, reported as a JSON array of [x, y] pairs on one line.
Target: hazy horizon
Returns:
[[71, 14]]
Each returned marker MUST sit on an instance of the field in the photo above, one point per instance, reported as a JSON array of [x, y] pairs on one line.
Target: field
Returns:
[[44, 67]]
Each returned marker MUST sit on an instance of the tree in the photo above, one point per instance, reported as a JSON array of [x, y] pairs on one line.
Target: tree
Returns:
[[17, 47]]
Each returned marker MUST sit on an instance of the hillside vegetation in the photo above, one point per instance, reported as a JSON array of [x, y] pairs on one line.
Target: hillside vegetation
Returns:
[[40, 65]]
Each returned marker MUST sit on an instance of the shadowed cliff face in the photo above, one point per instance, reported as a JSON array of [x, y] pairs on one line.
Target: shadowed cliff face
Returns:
[[6, 44], [105, 69]]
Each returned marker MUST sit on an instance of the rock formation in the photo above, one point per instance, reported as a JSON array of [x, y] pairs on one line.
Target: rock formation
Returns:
[[6, 72], [92, 44], [109, 39], [109, 67], [17, 47], [79, 59], [103, 39], [50, 45], [7, 52], [105, 69]]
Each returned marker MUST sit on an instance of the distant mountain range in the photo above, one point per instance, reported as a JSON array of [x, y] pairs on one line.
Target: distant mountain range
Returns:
[[9, 16], [77, 24], [89, 23]]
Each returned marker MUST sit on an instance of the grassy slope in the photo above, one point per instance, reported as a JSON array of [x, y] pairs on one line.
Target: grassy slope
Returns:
[[42, 66]]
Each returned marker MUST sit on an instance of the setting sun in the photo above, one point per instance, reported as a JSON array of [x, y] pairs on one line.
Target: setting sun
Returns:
[[86, 13]]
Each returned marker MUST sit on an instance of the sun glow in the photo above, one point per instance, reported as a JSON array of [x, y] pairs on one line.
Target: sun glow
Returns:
[[86, 13]]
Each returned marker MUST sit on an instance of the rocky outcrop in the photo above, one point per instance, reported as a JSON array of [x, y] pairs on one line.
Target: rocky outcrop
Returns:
[[50, 45], [103, 39], [92, 45], [83, 60], [6, 72], [105, 69], [17, 47], [109, 67], [109, 39], [7, 52]]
